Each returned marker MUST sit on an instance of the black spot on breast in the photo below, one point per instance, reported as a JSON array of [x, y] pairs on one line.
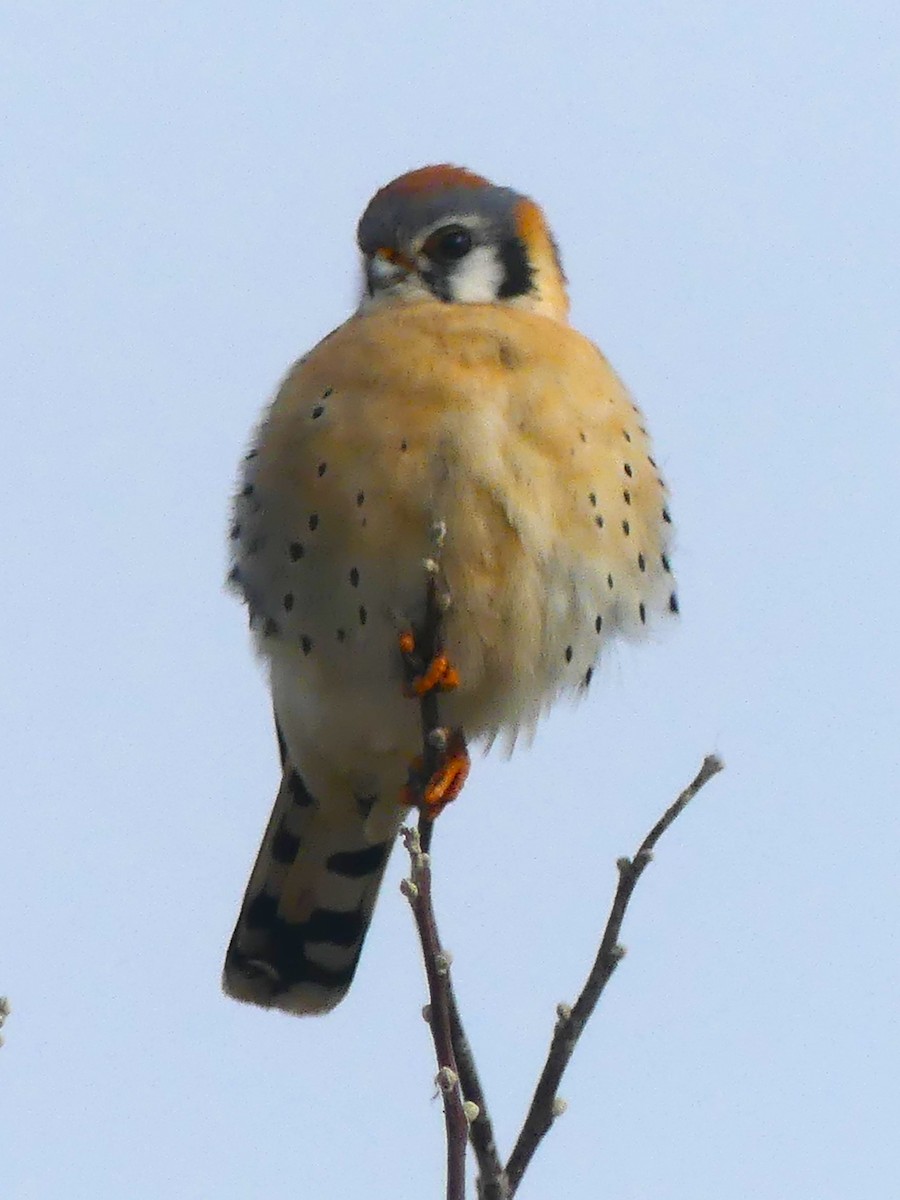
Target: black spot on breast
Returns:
[[354, 577], [626, 495], [666, 565], [360, 499], [322, 468], [404, 445], [508, 355], [288, 601], [626, 435], [642, 612], [306, 644], [254, 545], [317, 411], [248, 490], [341, 635], [234, 575], [583, 437], [642, 562], [568, 654], [627, 469], [250, 455], [599, 521], [313, 521], [270, 628], [626, 528], [609, 582], [651, 460], [296, 551], [667, 516], [235, 532], [588, 676], [673, 603], [592, 497], [598, 623], [363, 615], [327, 393]]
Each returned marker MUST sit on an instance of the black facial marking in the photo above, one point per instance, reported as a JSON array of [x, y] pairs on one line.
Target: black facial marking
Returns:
[[518, 275]]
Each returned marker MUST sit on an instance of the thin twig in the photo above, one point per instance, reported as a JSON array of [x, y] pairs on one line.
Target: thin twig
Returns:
[[437, 968], [545, 1105], [492, 1182]]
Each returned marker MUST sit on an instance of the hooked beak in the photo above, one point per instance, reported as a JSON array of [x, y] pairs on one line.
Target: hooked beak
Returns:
[[386, 266]]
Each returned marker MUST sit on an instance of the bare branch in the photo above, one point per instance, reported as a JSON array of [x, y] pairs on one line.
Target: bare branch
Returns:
[[545, 1105], [417, 890]]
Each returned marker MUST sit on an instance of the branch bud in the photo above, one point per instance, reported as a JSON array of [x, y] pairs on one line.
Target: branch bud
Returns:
[[472, 1111], [559, 1106], [446, 1079], [442, 961], [409, 889]]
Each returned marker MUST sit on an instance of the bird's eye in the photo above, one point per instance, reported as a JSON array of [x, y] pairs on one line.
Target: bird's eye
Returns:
[[448, 244]]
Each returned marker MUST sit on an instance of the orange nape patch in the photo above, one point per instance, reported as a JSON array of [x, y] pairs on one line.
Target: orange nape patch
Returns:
[[433, 179], [531, 225]]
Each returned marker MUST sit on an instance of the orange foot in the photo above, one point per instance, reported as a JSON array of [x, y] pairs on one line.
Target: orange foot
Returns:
[[433, 795], [421, 678]]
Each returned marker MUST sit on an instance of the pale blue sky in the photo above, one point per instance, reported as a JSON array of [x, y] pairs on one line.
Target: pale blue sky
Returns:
[[181, 184]]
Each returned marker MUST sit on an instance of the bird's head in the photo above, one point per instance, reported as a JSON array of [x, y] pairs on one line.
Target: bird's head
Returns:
[[445, 233]]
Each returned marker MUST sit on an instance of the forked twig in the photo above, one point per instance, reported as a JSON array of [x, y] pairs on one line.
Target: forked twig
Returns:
[[465, 1107], [545, 1105]]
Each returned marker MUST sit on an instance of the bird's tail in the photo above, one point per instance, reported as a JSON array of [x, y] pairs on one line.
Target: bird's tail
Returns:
[[308, 903]]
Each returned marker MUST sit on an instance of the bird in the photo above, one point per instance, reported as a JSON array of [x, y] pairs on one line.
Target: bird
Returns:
[[456, 397]]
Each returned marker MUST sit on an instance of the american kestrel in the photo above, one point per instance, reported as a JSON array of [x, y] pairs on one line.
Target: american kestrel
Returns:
[[456, 395]]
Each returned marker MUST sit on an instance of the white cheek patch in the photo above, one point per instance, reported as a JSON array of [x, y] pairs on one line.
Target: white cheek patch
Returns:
[[478, 277]]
